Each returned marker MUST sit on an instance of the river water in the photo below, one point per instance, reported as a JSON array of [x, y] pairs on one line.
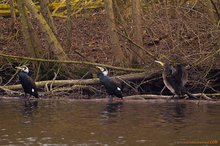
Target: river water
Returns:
[[82, 123]]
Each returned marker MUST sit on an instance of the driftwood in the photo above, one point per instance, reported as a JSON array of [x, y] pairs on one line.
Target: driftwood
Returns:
[[77, 82], [150, 96]]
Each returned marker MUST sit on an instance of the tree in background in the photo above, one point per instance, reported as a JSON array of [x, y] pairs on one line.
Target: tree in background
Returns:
[[138, 32], [13, 15], [56, 48], [47, 14], [31, 39], [115, 45]]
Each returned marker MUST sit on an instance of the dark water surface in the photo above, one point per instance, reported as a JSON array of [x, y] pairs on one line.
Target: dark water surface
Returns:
[[83, 123]]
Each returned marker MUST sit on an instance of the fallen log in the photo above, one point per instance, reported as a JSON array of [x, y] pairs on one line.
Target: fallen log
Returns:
[[86, 84], [77, 82], [151, 96]]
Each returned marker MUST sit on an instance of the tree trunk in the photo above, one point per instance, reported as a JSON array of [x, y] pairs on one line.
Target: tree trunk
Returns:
[[117, 50], [138, 32], [13, 15], [214, 15], [69, 24], [173, 5], [26, 29], [50, 37], [47, 14], [215, 11]]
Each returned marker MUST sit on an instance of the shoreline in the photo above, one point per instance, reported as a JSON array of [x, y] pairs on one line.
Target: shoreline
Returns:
[[115, 100]]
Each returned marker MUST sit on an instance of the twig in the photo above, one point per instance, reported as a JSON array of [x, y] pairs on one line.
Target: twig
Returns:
[[130, 40], [54, 78], [206, 97], [216, 9], [127, 84], [8, 91], [13, 76]]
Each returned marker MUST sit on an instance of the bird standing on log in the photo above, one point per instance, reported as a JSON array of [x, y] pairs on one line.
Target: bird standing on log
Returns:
[[175, 79], [110, 86], [27, 82]]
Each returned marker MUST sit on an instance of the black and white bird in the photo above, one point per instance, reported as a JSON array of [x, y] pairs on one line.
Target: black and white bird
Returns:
[[111, 87], [27, 82], [175, 79]]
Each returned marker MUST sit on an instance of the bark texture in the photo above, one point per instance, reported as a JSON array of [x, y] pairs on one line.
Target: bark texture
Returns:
[[138, 32], [50, 37], [110, 19], [47, 14]]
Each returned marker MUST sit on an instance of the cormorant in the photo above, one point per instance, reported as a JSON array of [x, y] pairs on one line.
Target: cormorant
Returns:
[[175, 79], [27, 82], [110, 86]]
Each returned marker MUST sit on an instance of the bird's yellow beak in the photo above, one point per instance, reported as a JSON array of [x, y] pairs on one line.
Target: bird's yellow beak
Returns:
[[161, 63], [19, 68], [101, 68]]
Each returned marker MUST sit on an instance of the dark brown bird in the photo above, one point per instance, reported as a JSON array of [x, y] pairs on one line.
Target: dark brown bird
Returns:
[[175, 79]]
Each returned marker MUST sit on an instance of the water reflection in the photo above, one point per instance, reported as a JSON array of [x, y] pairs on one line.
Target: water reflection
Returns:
[[29, 106], [110, 111], [178, 110], [175, 112], [113, 107], [40, 122]]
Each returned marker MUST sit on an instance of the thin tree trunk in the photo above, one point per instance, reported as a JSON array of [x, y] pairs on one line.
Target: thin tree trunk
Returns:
[[47, 14], [214, 15], [13, 15], [216, 12], [117, 50], [69, 24], [50, 37], [213, 12], [138, 32], [173, 5]]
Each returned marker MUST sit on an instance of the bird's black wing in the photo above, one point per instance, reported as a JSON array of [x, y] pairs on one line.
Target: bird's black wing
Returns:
[[112, 87], [29, 85]]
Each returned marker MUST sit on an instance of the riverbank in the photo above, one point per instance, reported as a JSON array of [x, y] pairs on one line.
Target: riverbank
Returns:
[[127, 99]]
